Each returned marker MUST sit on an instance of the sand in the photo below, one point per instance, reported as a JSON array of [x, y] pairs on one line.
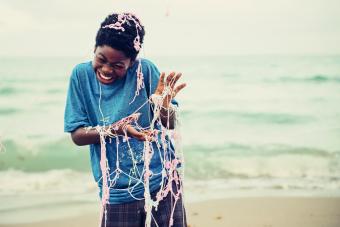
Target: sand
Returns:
[[238, 212]]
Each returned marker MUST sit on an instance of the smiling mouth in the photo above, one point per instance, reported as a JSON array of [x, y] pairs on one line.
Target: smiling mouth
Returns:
[[104, 78]]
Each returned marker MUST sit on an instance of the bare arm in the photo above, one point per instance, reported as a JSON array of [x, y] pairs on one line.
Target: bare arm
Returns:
[[168, 117], [82, 136]]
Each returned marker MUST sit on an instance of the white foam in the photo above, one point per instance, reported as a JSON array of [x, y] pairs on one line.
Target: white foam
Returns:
[[14, 182]]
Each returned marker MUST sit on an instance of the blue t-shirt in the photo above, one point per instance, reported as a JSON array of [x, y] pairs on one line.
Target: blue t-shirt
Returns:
[[82, 110]]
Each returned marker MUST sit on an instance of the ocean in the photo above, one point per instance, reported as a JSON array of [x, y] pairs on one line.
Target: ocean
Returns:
[[251, 126]]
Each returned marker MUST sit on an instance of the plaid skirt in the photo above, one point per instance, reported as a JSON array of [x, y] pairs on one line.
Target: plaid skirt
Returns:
[[133, 214]]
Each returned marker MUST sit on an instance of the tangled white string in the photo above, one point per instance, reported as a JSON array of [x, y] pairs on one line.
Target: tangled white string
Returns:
[[171, 175]]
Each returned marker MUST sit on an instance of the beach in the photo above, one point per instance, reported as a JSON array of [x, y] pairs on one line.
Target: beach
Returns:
[[257, 132], [236, 212], [258, 149]]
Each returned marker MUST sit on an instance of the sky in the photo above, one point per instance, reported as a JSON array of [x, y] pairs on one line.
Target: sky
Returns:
[[174, 27]]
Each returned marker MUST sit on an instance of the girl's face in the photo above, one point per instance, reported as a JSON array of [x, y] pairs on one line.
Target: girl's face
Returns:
[[110, 64]]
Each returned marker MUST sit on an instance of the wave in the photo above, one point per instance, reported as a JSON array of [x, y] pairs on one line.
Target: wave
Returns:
[[253, 117], [52, 181], [318, 78], [56, 91], [53, 167], [7, 91], [269, 150], [10, 91], [61, 154], [240, 161], [9, 111], [225, 161]]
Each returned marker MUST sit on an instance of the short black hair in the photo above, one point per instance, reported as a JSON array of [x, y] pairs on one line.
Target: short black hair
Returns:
[[118, 39]]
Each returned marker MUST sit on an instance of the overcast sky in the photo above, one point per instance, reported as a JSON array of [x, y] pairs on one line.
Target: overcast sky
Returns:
[[214, 27]]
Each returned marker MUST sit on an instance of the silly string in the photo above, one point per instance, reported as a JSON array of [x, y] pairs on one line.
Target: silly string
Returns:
[[171, 160]]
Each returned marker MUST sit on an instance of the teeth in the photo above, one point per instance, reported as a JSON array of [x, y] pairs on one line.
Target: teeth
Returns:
[[105, 77]]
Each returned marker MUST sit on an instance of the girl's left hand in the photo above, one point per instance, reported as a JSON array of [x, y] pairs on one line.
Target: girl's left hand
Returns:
[[169, 83]]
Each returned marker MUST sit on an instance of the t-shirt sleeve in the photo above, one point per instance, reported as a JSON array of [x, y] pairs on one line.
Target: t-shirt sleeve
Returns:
[[75, 114], [151, 78]]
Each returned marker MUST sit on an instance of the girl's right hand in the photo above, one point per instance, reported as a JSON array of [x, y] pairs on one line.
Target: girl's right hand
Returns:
[[124, 127], [145, 135]]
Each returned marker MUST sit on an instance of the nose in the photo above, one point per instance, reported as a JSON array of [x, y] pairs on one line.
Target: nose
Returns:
[[107, 69]]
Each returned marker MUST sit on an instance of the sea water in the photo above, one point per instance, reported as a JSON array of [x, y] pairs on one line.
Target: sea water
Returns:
[[250, 125]]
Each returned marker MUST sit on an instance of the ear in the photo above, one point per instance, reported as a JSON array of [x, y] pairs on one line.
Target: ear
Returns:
[[94, 50]]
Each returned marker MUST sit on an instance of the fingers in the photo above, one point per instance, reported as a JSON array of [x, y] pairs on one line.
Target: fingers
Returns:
[[178, 88], [149, 135], [161, 78], [174, 80], [170, 81], [170, 78], [146, 135], [160, 85], [132, 132]]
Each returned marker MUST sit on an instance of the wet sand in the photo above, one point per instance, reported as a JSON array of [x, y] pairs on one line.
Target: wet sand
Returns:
[[237, 212]]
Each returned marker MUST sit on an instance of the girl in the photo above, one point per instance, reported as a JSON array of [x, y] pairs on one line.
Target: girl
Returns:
[[123, 108]]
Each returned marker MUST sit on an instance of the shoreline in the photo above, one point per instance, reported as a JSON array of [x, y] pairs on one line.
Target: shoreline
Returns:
[[240, 212]]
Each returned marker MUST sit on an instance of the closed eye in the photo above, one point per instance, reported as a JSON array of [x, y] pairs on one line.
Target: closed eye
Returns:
[[101, 60], [118, 66]]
